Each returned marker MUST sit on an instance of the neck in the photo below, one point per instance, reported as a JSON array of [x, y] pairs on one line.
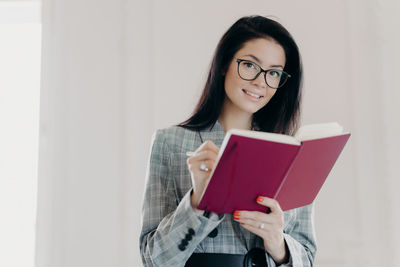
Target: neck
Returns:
[[234, 118]]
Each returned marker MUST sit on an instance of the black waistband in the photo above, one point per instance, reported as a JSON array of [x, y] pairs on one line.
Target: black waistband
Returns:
[[254, 258]]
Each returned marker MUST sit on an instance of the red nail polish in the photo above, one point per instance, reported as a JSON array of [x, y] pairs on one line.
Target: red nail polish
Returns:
[[236, 213], [260, 199]]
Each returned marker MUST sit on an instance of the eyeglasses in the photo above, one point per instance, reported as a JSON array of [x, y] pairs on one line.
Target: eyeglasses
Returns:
[[249, 71]]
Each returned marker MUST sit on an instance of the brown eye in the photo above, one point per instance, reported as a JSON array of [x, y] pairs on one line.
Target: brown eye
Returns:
[[248, 64], [275, 74]]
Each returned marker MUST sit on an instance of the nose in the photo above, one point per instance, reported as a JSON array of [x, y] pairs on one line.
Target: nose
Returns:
[[260, 80]]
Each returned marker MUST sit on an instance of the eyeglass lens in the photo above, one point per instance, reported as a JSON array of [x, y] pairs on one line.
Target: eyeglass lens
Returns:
[[250, 71]]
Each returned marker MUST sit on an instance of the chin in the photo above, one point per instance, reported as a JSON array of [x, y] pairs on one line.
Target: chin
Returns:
[[252, 110]]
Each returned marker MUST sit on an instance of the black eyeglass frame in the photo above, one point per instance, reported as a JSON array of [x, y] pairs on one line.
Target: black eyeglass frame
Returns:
[[239, 60]]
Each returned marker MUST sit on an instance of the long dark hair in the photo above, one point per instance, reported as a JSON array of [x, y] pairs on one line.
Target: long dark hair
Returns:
[[282, 113]]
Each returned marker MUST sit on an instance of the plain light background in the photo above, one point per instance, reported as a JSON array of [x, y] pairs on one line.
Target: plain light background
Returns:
[[20, 40], [114, 71]]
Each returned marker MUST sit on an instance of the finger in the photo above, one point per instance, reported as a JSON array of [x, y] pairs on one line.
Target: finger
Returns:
[[270, 203], [195, 166], [255, 216], [207, 163], [204, 155], [255, 230], [255, 223], [208, 145]]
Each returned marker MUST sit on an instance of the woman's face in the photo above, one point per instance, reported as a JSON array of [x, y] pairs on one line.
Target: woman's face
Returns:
[[268, 54]]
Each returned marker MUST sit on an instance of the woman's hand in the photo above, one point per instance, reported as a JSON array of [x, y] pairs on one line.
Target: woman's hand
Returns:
[[268, 226], [206, 154]]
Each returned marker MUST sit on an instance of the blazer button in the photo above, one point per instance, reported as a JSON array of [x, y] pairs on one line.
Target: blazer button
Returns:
[[213, 233], [184, 242], [191, 231], [181, 247], [188, 237]]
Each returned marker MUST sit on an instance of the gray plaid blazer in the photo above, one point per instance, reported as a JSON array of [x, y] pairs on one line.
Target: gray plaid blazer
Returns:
[[170, 229]]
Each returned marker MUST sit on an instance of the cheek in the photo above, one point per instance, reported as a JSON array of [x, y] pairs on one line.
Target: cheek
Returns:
[[233, 84], [270, 94], [232, 78]]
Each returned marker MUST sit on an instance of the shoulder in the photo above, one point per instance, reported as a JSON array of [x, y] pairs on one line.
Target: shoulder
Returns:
[[173, 137]]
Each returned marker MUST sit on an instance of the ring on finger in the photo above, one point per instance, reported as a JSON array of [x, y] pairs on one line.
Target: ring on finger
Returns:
[[262, 226], [203, 167]]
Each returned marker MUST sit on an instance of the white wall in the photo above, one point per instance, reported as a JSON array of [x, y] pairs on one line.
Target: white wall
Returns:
[[107, 85]]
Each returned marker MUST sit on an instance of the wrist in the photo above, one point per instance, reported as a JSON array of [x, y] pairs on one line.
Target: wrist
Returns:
[[197, 211], [194, 204], [282, 255]]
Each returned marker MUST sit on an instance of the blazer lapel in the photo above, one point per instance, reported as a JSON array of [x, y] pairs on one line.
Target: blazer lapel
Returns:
[[214, 133]]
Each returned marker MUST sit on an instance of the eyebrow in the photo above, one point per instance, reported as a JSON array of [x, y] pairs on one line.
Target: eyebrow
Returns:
[[259, 61]]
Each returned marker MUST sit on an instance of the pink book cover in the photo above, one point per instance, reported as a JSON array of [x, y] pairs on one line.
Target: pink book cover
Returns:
[[250, 167]]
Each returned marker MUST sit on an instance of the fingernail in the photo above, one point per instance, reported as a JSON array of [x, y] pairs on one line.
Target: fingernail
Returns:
[[260, 199], [236, 214], [241, 223]]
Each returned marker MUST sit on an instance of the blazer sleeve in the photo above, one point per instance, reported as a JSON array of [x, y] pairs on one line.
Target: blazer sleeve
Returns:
[[301, 239], [170, 229]]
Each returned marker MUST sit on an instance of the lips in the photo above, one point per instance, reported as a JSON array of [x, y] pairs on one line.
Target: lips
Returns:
[[248, 92]]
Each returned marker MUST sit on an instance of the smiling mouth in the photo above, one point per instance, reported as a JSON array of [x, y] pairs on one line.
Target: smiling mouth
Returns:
[[251, 94]]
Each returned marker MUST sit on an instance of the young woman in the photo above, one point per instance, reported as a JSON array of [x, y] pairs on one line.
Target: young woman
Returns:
[[254, 83]]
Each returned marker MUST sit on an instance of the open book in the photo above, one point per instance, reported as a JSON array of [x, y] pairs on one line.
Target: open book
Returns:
[[289, 169]]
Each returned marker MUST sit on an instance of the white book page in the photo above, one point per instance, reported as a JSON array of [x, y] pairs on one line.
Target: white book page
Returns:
[[318, 130], [274, 137]]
